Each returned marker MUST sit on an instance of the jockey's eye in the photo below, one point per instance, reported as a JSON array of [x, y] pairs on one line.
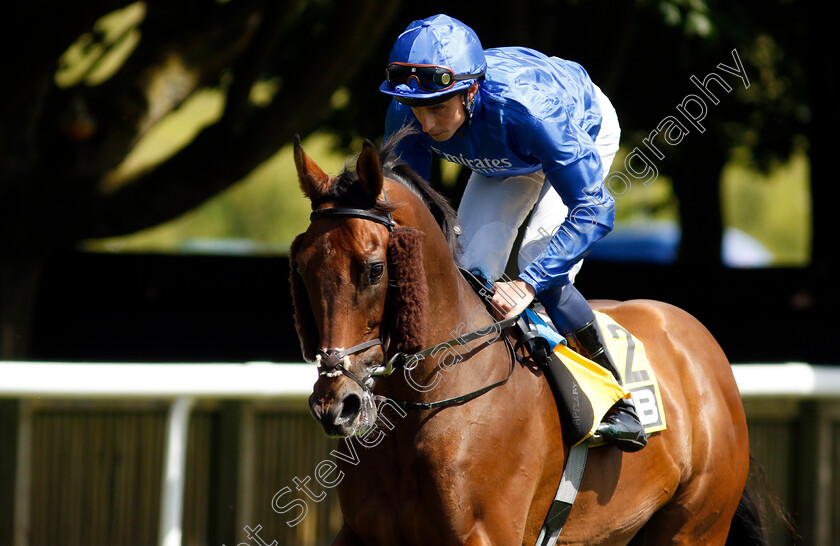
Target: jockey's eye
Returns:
[[376, 271]]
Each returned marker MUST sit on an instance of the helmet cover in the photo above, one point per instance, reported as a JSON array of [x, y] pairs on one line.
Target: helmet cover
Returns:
[[439, 40]]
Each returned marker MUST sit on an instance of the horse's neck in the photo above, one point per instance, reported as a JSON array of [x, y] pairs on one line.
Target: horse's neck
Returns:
[[452, 300], [452, 303], [455, 310]]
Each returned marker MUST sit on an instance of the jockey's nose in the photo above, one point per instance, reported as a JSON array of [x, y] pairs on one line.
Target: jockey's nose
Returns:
[[426, 121]]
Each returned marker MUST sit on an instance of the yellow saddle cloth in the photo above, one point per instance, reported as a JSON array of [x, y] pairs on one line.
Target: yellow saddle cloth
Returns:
[[601, 389]]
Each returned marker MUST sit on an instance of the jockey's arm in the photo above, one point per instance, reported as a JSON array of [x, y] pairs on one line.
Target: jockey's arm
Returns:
[[573, 167]]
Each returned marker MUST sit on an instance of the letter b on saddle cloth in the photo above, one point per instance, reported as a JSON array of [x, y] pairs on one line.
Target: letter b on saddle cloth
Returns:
[[584, 390]]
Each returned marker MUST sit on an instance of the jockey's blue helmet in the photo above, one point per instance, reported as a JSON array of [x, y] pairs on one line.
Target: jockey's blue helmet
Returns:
[[433, 60]]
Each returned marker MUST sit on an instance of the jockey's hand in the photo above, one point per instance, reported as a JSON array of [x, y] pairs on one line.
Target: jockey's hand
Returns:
[[512, 298]]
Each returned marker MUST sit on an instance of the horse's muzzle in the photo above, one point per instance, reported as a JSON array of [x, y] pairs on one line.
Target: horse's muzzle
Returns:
[[344, 413]]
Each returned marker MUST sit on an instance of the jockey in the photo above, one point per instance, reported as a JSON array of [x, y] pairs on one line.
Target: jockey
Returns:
[[517, 119]]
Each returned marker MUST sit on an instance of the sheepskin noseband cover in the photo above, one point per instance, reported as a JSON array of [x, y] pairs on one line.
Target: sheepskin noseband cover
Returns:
[[409, 292]]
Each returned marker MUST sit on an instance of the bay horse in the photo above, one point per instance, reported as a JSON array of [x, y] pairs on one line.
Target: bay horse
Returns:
[[373, 277]]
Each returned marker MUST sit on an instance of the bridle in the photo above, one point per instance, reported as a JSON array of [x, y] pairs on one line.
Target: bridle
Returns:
[[331, 362]]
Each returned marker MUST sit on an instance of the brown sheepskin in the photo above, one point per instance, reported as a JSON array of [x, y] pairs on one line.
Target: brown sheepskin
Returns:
[[307, 330], [410, 294]]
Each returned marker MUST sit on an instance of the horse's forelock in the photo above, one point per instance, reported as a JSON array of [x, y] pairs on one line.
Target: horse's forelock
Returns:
[[348, 189]]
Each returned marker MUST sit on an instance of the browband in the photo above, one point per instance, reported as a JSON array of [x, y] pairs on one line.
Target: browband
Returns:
[[386, 221]]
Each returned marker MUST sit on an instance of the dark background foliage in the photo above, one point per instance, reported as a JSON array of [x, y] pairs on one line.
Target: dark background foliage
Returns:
[[58, 143]]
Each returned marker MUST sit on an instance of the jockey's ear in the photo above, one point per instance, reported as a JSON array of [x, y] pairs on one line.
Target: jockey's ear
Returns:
[[369, 169], [314, 182], [472, 91]]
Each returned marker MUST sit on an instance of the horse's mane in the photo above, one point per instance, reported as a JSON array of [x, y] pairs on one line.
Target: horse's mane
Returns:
[[348, 188]]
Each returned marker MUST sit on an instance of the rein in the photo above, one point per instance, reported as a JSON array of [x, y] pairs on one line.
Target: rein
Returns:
[[461, 340], [331, 362]]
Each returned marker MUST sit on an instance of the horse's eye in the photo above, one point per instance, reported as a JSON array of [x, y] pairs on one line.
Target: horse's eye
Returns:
[[376, 271]]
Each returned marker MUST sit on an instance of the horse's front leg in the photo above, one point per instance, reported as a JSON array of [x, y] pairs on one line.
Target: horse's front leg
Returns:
[[346, 537]]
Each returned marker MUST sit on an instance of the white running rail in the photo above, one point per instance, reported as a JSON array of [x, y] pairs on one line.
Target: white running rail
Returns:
[[183, 384]]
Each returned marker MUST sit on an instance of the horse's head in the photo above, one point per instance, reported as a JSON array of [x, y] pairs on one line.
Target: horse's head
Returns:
[[358, 287]]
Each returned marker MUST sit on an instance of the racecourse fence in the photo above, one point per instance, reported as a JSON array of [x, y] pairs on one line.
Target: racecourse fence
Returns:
[[196, 454]]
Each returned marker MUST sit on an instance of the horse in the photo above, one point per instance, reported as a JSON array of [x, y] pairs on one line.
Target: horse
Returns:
[[374, 277]]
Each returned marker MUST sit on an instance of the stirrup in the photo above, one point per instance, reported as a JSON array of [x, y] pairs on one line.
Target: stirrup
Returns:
[[621, 427]]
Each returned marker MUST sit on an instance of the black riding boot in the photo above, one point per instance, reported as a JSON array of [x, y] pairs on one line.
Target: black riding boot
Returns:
[[621, 425]]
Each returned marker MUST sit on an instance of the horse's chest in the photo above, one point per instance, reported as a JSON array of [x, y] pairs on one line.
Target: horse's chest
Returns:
[[406, 500]]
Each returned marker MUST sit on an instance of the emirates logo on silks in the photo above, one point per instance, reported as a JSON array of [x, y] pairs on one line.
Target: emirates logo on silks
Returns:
[[486, 165]]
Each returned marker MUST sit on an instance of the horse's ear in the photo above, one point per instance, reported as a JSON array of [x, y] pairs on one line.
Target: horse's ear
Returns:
[[305, 325], [410, 300], [314, 182], [369, 169]]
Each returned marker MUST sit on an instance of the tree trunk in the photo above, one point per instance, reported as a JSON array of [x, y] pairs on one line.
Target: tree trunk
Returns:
[[697, 187], [825, 262]]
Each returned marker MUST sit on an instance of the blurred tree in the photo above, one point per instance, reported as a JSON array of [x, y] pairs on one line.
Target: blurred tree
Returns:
[[66, 125]]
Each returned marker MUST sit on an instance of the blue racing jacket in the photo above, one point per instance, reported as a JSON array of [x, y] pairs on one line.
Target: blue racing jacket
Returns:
[[532, 112]]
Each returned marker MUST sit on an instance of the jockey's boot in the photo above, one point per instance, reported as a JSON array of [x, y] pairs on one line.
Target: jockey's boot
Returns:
[[620, 426]]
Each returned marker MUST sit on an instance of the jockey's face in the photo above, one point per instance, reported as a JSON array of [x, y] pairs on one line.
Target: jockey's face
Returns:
[[442, 120]]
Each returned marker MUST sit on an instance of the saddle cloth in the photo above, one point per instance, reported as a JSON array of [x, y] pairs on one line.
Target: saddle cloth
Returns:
[[592, 390]]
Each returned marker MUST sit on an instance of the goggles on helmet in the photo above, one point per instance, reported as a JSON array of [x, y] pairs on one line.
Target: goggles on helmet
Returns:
[[429, 77]]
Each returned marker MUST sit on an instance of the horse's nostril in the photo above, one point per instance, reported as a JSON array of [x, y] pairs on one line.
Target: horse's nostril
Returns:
[[315, 408], [350, 407]]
